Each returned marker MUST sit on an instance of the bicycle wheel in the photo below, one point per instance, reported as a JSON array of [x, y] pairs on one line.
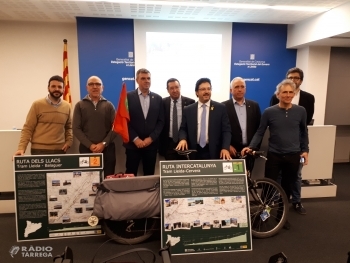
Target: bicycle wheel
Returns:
[[130, 232], [268, 207]]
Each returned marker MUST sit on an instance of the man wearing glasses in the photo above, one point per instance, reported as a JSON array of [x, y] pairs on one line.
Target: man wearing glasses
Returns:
[[205, 126], [306, 100], [92, 124]]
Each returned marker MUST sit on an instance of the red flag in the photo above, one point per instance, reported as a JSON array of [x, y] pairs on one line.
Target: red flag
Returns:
[[66, 95], [120, 124]]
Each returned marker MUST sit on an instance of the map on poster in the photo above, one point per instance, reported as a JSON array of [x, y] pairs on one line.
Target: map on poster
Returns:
[[205, 206], [55, 195], [31, 228], [71, 195], [205, 211]]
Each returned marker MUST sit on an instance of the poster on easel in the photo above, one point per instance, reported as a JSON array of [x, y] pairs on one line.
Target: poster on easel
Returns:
[[205, 206], [55, 195]]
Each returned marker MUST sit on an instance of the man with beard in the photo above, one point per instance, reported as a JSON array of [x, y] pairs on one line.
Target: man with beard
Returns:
[[48, 125], [205, 126], [92, 124]]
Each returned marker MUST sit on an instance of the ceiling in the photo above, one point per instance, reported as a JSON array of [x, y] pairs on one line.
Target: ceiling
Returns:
[[188, 10], [245, 11]]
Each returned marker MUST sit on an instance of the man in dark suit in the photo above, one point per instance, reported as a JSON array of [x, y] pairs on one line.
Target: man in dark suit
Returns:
[[173, 107], [306, 100], [146, 123], [205, 126], [244, 116]]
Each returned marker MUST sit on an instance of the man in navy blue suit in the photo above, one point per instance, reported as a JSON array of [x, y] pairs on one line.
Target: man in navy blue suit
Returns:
[[205, 126], [146, 123]]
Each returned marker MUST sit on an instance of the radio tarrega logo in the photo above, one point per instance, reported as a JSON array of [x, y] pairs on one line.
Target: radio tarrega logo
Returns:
[[31, 251], [14, 250]]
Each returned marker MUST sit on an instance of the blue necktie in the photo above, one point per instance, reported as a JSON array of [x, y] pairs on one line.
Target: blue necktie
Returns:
[[202, 135], [175, 125]]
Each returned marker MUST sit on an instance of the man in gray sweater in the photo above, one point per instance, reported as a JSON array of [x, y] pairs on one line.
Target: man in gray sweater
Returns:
[[92, 124], [288, 141]]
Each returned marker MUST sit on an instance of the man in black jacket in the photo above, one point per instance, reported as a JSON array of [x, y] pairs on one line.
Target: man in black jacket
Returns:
[[145, 126], [205, 126], [244, 116], [306, 100], [173, 107]]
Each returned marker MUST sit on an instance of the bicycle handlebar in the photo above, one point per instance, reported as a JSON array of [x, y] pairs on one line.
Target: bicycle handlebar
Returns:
[[185, 152], [256, 154]]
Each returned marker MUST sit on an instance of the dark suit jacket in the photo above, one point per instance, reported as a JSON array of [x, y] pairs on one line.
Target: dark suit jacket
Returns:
[[306, 100], [140, 127], [253, 121], [164, 136], [219, 130]]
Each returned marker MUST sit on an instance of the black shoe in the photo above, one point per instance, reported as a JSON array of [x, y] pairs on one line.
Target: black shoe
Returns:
[[299, 208], [286, 225]]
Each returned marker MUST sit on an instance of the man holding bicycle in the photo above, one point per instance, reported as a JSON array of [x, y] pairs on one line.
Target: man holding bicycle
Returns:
[[288, 140], [307, 100]]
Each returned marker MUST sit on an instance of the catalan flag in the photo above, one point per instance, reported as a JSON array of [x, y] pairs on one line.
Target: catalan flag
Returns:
[[120, 124], [66, 96]]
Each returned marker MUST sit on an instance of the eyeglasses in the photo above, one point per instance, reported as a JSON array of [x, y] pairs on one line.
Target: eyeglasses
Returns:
[[294, 78], [204, 89], [91, 84]]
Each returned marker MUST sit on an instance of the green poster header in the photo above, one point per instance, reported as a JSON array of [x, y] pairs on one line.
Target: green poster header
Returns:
[[207, 167]]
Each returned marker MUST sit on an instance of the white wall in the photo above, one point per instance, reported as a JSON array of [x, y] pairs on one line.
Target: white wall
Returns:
[[30, 54], [314, 61]]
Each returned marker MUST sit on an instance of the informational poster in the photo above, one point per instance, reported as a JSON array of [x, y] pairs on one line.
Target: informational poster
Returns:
[[55, 195], [205, 206]]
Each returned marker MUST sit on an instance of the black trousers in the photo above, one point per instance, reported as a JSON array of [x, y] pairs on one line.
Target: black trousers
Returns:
[[109, 159], [202, 153], [134, 156], [286, 165]]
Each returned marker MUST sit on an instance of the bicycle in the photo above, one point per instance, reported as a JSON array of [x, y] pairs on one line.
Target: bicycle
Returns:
[[267, 199], [268, 202], [268, 207]]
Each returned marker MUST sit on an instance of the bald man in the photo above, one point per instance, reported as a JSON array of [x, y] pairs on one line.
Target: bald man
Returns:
[[92, 124]]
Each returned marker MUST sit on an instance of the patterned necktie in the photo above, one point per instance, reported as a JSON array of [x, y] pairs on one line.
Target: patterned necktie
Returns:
[[202, 135], [175, 125]]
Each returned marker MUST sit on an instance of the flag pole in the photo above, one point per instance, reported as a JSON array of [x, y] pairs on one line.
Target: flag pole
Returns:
[[67, 95]]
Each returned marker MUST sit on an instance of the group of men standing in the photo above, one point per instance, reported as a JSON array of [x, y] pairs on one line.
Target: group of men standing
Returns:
[[216, 130]]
